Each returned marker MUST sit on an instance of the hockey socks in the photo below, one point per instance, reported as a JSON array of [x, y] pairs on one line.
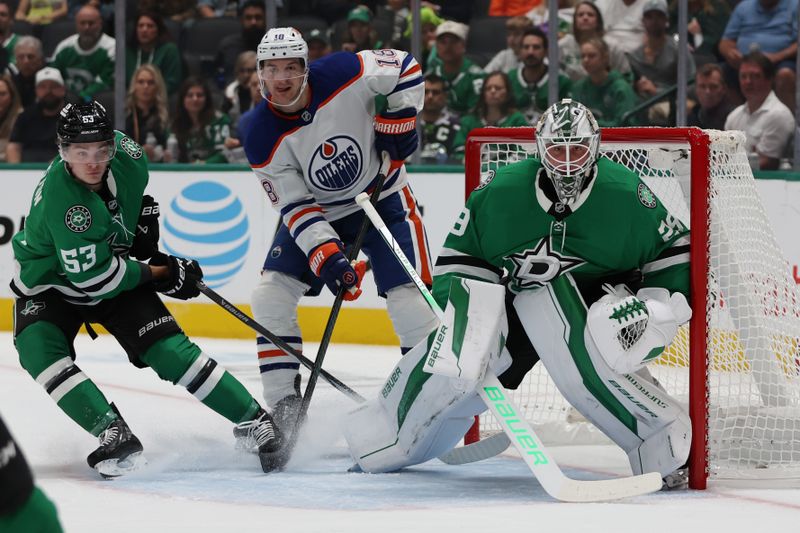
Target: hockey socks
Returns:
[[178, 360]]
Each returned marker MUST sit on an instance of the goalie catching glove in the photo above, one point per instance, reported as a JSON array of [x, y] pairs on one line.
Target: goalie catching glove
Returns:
[[629, 331], [396, 133], [329, 264], [183, 276]]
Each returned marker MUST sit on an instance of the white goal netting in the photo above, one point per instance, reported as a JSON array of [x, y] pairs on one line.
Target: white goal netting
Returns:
[[752, 311]]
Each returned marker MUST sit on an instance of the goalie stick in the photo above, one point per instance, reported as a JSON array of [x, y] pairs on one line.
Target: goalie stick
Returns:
[[518, 430]]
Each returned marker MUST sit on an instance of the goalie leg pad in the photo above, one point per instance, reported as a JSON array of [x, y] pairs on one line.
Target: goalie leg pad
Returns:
[[429, 400], [416, 417], [413, 320], [274, 302], [628, 409], [472, 332]]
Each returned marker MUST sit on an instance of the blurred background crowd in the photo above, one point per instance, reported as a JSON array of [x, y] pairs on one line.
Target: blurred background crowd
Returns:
[[190, 67]]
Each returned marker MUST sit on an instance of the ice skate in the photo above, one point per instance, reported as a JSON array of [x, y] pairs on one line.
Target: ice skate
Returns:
[[119, 453]]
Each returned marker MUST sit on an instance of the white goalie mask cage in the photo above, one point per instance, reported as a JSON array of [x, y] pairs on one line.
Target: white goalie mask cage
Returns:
[[568, 141]]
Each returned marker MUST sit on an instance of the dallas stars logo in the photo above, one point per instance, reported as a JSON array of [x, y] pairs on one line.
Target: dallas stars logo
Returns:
[[78, 218], [535, 268], [32, 308]]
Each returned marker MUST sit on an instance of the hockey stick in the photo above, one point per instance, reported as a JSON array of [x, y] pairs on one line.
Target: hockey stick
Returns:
[[274, 339], [518, 430], [286, 452]]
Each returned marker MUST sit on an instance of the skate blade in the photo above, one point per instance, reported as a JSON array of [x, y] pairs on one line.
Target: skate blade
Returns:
[[111, 468], [246, 446]]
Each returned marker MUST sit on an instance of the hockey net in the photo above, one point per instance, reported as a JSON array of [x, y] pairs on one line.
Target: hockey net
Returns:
[[736, 366]]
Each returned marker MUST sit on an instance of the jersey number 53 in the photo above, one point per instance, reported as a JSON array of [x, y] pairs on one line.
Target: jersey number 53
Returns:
[[79, 259]]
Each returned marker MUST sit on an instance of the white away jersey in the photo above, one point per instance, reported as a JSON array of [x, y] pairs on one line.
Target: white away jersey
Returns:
[[314, 163]]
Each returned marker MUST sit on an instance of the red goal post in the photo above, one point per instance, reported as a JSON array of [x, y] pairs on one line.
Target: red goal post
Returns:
[[719, 181]]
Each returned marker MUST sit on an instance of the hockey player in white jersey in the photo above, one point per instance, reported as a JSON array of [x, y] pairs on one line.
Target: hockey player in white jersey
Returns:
[[315, 143], [561, 227]]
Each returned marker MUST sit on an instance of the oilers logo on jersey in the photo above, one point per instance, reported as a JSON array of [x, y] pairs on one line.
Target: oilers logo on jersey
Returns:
[[336, 164]]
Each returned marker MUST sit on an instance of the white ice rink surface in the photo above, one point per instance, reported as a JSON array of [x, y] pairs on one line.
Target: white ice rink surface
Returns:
[[196, 481]]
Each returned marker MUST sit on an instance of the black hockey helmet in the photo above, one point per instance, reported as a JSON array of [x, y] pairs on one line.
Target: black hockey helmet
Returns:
[[84, 123]]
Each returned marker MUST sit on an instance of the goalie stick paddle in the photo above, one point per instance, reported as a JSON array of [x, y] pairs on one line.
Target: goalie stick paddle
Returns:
[[274, 339], [516, 428]]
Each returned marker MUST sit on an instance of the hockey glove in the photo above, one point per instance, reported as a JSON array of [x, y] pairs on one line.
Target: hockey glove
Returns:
[[183, 276], [145, 242], [329, 264], [396, 133]]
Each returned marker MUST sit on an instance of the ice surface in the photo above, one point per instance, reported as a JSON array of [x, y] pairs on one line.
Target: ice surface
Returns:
[[197, 482]]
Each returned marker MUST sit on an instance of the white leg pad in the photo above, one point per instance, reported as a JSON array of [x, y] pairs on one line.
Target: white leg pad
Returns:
[[274, 301], [666, 450], [419, 415], [638, 415], [413, 320]]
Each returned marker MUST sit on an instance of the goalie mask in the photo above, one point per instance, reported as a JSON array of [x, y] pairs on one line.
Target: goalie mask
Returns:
[[281, 43], [568, 141]]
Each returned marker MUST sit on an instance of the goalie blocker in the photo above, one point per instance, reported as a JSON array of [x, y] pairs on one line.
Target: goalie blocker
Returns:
[[419, 415]]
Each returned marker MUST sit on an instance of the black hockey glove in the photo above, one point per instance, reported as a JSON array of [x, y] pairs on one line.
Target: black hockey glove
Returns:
[[183, 276], [145, 242], [396, 133]]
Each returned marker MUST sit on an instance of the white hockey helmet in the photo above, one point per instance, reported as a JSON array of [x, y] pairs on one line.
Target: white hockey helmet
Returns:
[[568, 141], [282, 43]]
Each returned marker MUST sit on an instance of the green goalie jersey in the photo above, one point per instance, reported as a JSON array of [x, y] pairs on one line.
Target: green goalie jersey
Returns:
[[514, 226], [76, 241]]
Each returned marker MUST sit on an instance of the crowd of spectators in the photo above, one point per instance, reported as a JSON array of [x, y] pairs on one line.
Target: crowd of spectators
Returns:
[[618, 57]]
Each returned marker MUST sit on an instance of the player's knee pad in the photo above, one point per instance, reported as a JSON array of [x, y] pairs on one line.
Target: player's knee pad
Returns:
[[45, 354], [411, 316], [274, 301], [416, 417]]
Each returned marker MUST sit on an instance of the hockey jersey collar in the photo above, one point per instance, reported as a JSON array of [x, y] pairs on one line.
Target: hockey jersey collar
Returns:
[[548, 199]]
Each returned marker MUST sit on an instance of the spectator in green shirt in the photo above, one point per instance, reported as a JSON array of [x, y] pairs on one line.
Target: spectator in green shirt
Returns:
[[200, 129], [495, 108], [7, 36], [150, 43], [529, 82], [86, 59], [462, 77], [604, 91]]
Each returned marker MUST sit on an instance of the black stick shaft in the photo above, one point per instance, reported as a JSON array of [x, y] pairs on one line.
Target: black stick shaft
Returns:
[[277, 341], [337, 305]]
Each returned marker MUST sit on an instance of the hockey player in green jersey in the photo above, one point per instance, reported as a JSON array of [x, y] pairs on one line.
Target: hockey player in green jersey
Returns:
[[87, 217], [596, 276]]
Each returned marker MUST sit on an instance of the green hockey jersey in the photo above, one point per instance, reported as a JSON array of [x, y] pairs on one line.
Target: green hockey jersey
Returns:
[[514, 225], [77, 242]]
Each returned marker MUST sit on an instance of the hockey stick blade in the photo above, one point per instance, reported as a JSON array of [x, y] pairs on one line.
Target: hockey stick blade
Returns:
[[541, 463], [477, 451]]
